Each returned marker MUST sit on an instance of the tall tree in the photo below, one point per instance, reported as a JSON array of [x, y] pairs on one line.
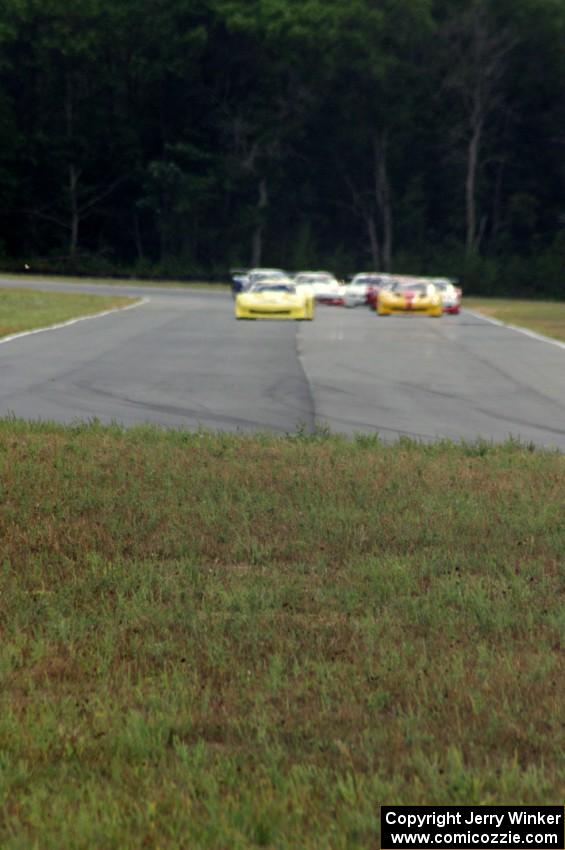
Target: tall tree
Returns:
[[58, 52], [379, 94], [476, 51]]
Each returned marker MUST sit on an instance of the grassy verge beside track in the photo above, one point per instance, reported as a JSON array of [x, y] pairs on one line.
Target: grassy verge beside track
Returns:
[[227, 641], [26, 309], [544, 317], [113, 281]]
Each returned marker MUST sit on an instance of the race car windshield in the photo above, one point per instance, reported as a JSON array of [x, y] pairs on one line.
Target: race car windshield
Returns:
[[273, 287], [257, 276], [417, 288], [314, 278]]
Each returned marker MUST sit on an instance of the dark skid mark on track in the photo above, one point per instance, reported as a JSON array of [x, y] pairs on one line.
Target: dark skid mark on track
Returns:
[[417, 389], [518, 385], [189, 413], [310, 402], [372, 428], [515, 421]]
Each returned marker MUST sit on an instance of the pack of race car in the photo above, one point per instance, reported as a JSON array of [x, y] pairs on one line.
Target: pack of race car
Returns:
[[268, 293]]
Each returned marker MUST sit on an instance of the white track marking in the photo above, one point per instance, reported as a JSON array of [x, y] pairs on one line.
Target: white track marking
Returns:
[[525, 331], [12, 337]]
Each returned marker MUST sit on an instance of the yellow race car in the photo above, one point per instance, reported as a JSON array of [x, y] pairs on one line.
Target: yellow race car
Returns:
[[274, 299], [410, 298]]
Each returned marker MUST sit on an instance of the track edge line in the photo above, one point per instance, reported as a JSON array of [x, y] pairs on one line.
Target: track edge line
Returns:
[[12, 337], [525, 331]]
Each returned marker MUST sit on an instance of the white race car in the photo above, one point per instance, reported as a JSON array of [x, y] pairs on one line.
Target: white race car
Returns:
[[325, 287], [450, 295], [362, 289]]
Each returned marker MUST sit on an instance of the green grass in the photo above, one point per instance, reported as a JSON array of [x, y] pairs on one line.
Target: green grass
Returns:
[[215, 641], [26, 309], [545, 317], [113, 281]]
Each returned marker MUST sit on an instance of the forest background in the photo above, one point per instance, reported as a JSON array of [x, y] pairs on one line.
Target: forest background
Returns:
[[183, 138]]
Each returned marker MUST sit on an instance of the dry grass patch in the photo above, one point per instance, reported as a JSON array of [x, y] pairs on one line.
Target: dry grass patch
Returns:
[[219, 641], [545, 317], [114, 281], [26, 309]]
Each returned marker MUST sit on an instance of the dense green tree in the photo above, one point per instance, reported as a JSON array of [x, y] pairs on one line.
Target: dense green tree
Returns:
[[417, 134]]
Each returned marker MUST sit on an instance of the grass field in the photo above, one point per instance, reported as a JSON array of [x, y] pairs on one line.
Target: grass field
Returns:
[[26, 309], [113, 281], [545, 317], [218, 641]]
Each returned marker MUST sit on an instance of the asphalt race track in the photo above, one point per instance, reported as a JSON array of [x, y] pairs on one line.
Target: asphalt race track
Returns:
[[182, 360]]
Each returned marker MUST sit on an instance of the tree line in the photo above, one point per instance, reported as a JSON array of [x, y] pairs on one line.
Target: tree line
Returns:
[[186, 137]]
